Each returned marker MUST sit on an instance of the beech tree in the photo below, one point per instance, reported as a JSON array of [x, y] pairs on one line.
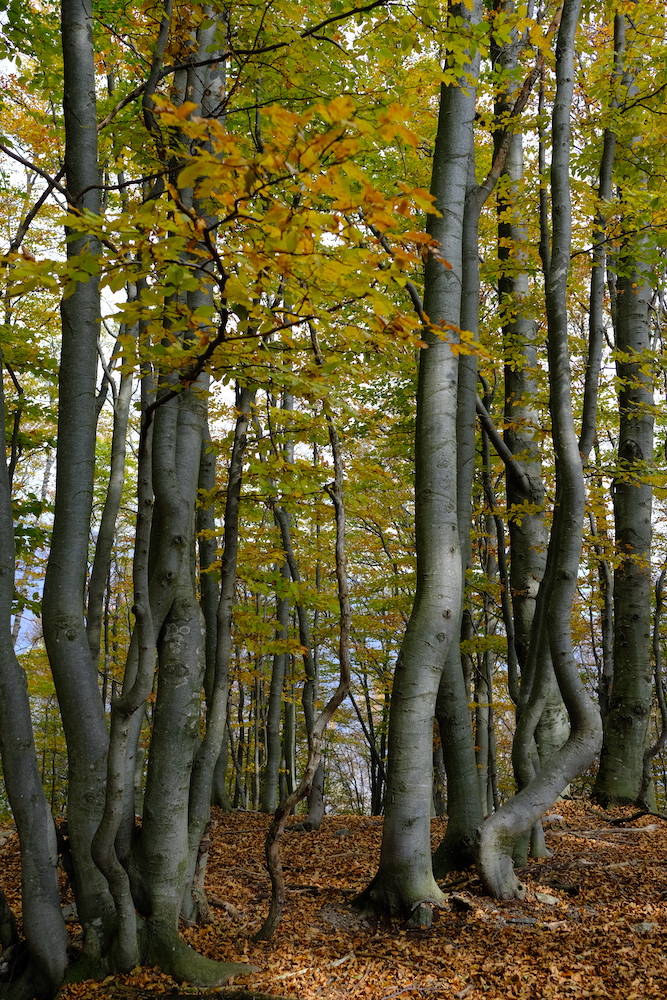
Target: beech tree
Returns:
[[620, 777], [405, 878], [551, 628]]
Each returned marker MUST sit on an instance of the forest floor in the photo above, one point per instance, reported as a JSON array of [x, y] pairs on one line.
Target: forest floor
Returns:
[[593, 924]]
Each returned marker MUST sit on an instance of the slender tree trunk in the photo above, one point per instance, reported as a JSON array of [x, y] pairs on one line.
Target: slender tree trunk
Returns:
[[464, 808], [106, 533], [43, 924], [405, 876], [209, 749], [501, 831], [527, 525], [74, 672], [596, 341], [626, 726], [621, 773]]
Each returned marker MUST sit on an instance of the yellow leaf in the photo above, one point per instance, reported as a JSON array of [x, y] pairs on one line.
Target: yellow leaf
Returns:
[[184, 109]]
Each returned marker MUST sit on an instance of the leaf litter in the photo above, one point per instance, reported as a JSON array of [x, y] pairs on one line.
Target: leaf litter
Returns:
[[593, 924]]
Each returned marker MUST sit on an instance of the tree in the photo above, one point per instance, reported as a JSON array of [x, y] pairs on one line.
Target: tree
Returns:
[[405, 879], [620, 777], [551, 628], [44, 926]]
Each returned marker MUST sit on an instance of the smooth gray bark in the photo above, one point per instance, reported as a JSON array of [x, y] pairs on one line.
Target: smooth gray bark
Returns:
[[405, 876], [107, 528], [527, 525], [597, 334], [74, 673], [464, 808], [620, 775], [596, 325], [43, 924], [501, 831], [149, 871]]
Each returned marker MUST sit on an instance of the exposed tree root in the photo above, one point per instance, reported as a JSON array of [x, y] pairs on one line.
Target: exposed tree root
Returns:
[[624, 820], [164, 947]]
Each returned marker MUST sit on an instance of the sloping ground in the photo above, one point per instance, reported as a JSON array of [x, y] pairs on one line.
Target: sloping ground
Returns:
[[594, 923]]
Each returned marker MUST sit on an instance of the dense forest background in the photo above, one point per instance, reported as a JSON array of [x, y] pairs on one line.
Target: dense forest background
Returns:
[[333, 385]]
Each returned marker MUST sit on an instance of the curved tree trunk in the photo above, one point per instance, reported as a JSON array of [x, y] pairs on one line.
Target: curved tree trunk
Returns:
[[43, 924], [526, 523], [501, 831], [405, 877]]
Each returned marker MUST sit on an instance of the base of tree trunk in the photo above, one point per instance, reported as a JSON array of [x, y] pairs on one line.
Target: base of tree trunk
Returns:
[[607, 800], [497, 873], [455, 853], [384, 897], [165, 948]]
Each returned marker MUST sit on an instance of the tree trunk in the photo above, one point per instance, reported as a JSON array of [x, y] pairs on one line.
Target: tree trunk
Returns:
[[501, 831], [43, 924], [527, 525], [620, 778], [405, 878], [74, 673]]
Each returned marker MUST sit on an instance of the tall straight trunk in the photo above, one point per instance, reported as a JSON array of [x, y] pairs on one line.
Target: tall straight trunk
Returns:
[[405, 876], [621, 775], [501, 831], [596, 340], [74, 673], [464, 807]]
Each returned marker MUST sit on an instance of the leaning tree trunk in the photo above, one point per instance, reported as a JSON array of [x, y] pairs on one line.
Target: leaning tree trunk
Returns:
[[405, 877], [501, 831], [526, 523], [43, 924]]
